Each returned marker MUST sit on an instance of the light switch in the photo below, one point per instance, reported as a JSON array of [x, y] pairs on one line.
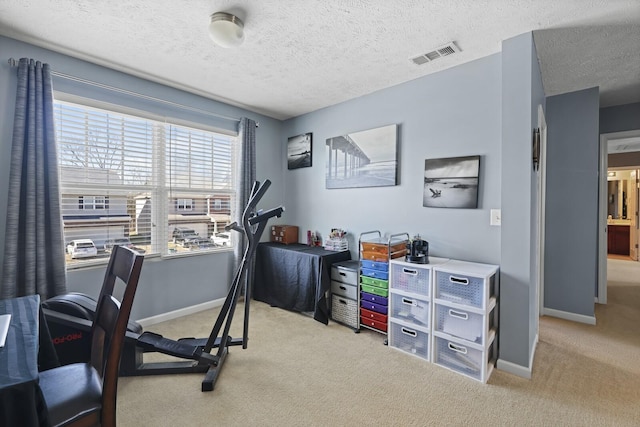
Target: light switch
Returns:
[[495, 217]]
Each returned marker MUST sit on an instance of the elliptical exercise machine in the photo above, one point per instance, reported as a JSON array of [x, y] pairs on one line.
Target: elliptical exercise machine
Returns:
[[61, 312]]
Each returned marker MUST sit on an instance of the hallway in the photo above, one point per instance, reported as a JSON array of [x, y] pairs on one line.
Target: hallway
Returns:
[[597, 364]]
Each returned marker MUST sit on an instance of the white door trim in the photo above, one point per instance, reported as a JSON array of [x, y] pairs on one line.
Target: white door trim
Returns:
[[601, 297], [542, 186]]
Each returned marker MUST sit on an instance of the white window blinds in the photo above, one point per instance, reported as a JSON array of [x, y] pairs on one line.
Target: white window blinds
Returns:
[[126, 177]]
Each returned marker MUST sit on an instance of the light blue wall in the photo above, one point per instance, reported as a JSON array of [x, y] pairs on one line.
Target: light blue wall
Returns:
[[620, 118], [537, 99], [571, 254], [446, 114], [486, 107], [520, 90], [165, 284]]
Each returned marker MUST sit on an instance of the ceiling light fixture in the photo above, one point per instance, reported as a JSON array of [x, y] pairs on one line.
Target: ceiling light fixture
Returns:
[[226, 30]]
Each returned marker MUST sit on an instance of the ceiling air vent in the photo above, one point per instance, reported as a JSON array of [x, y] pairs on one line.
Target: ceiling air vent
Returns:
[[446, 50]]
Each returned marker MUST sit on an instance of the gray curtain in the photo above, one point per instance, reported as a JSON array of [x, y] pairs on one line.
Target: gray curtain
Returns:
[[34, 260], [247, 176]]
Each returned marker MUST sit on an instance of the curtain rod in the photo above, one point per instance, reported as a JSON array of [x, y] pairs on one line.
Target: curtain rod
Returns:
[[14, 63]]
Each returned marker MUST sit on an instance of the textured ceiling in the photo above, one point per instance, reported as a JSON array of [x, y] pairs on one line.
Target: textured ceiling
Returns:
[[303, 55]]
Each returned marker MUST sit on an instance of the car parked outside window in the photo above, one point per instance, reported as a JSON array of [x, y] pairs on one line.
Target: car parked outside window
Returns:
[[198, 243], [183, 234], [82, 248], [221, 239], [120, 241]]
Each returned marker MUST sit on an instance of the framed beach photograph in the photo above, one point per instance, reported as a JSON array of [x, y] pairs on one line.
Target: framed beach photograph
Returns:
[[363, 159], [299, 151], [451, 182]]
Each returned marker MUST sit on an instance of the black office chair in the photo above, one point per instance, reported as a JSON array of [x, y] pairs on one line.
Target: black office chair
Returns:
[[84, 394]]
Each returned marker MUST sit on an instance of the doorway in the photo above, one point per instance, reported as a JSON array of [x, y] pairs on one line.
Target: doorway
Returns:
[[624, 148], [622, 213]]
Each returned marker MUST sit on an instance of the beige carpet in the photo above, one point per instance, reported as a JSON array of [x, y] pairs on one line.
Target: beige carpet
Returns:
[[298, 372]]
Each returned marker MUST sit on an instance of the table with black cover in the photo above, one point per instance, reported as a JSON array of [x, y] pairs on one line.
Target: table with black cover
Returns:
[[295, 277]]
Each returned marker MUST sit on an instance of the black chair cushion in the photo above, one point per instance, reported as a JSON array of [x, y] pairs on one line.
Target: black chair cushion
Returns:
[[71, 392]]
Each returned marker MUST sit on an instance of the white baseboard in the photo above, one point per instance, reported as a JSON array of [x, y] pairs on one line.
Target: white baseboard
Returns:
[[519, 370], [512, 368], [581, 318], [149, 321]]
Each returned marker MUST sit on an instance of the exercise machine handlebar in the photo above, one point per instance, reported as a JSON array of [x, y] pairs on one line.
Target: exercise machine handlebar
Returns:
[[264, 216]]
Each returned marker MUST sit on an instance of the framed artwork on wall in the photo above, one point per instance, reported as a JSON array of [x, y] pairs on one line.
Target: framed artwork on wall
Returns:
[[451, 182], [299, 151], [363, 159]]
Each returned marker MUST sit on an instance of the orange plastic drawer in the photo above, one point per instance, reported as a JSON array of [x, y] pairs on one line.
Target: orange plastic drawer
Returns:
[[374, 256], [383, 248]]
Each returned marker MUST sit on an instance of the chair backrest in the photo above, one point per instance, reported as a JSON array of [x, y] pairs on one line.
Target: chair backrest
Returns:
[[110, 324]]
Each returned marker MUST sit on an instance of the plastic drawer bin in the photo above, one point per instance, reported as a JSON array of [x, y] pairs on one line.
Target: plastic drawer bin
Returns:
[[379, 308], [409, 309], [368, 314], [383, 247], [342, 289], [375, 290], [376, 274], [409, 339], [374, 282], [374, 298], [374, 256], [381, 326], [461, 289], [344, 310], [459, 357], [344, 275], [382, 266], [460, 323], [410, 279]]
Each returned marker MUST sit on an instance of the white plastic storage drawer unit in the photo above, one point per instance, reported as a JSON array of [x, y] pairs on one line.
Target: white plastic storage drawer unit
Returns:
[[408, 338], [465, 283], [464, 357], [414, 278], [464, 323], [412, 309], [465, 318]]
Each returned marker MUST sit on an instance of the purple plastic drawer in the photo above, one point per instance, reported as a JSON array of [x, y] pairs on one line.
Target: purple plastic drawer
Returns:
[[374, 298], [378, 308]]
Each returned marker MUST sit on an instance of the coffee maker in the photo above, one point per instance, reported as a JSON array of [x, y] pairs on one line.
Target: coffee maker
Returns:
[[417, 251]]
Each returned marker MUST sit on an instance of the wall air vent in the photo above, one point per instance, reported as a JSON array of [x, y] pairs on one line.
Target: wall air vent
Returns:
[[446, 50]]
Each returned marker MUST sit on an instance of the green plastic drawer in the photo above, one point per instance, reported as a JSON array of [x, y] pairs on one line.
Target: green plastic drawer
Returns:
[[374, 290], [374, 282]]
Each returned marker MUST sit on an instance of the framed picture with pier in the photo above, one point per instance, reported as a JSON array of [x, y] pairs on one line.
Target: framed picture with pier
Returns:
[[299, 151], [451, 182], [363, 159]]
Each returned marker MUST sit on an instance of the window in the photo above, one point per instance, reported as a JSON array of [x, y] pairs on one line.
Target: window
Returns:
[[93, 202], [184, 204], [123, 176]]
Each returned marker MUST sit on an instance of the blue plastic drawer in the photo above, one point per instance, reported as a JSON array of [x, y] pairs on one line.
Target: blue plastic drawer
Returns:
[[376, 274], [375, 265], [374, 298], [378, 308]]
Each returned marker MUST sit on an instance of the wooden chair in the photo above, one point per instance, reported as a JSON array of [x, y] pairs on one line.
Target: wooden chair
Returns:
[[84, 394]]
